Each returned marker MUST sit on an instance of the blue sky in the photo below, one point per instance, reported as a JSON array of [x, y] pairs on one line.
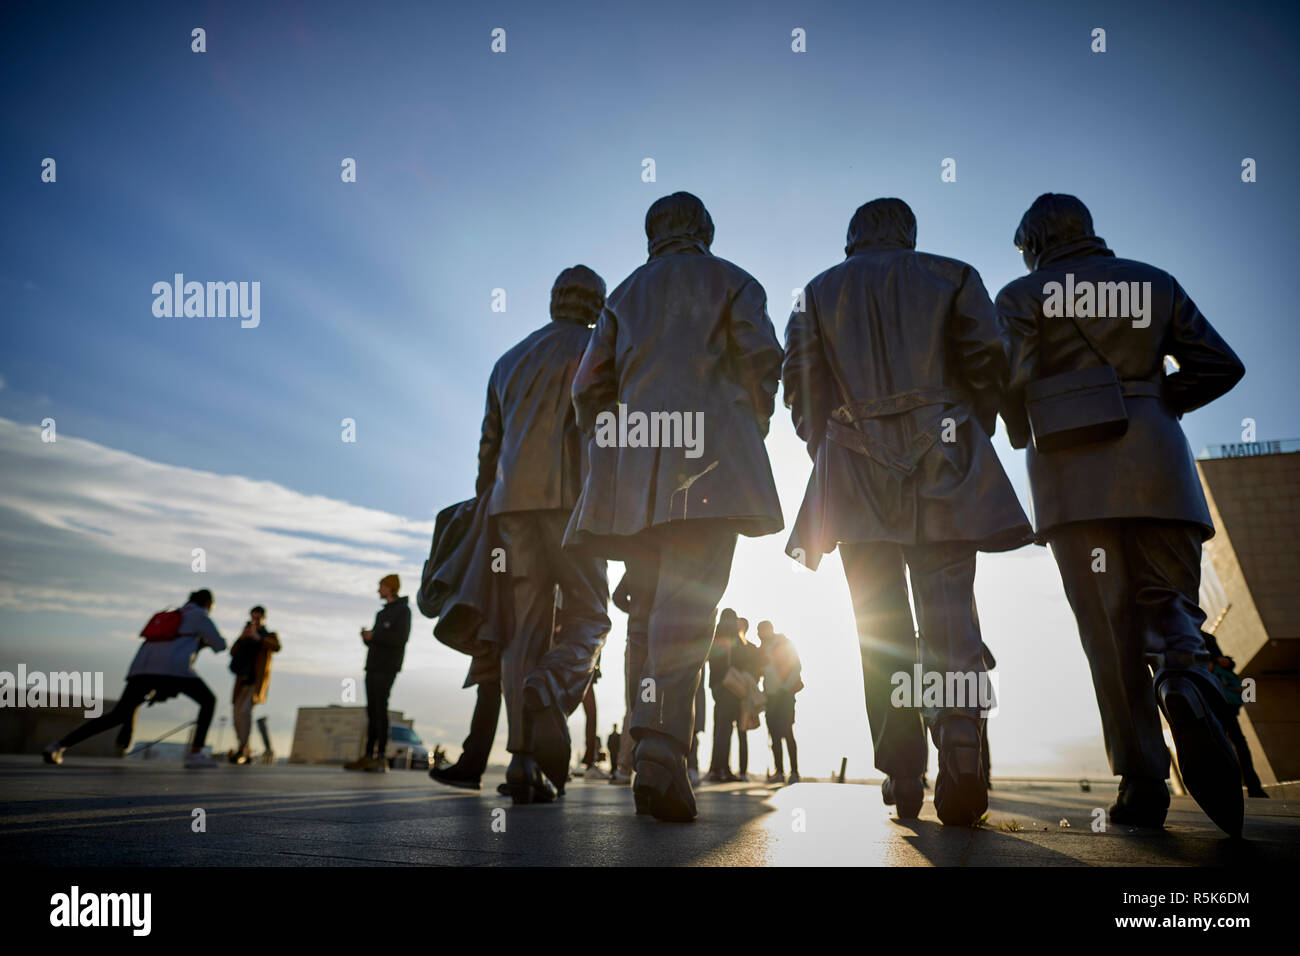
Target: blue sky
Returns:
[[479, 170]]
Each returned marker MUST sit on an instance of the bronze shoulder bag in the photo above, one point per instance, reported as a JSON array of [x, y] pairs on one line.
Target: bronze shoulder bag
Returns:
[[1077, 407]]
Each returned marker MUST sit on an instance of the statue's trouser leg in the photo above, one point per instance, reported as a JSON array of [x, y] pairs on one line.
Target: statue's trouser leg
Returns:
[[642, 575], [567, 667], [701, 719], [1112, 637], [887, 645], [592, 753], [562, 663], [943, 587], [692, 569], [1164, 562], [532, 599]]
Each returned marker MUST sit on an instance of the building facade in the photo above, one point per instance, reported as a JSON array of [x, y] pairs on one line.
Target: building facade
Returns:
[[1250, 590]]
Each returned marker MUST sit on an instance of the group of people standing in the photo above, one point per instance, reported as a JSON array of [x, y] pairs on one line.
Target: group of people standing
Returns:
[[163, 668], [736, 668], [895, 368]]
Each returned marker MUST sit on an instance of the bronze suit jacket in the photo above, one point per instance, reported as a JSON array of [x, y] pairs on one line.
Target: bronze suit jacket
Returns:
[[1149, 472]]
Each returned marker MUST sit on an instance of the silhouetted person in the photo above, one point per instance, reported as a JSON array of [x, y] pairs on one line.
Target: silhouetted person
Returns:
[[613, 743], [748, 661], [160, 670], [685, 343], [726, 704], [467, 771], [531, 464], [782, 680], [1225, 672], [1124, 514], [893, 371], [386, 649], [250, 661]]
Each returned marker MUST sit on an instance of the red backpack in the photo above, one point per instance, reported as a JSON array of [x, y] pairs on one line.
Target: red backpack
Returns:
[[163, 626]]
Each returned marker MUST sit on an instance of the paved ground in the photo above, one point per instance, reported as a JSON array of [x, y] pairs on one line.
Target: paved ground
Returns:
[[93, 812]]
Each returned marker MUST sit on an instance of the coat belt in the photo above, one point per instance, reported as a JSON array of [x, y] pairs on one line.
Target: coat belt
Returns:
[[895, 404], [839, 427]]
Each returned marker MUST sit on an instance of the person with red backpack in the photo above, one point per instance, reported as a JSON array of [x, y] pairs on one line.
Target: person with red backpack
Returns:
[[162, 668]]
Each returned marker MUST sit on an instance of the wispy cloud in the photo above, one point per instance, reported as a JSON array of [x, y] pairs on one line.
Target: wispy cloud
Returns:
[[93, 540], [103, 532]]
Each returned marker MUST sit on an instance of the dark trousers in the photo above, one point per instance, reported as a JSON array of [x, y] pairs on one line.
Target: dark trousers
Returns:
[[641, 577], [136, 691], [780, 727], [786, 735], [379, 684], [1248, 776], [943, 581], [560, 664], [686, 565], [726, 712], [1140, 613], [482, 729]]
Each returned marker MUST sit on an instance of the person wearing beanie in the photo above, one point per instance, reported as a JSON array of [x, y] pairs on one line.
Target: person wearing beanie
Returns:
[[685, 344], [531, 465], [386, 643]]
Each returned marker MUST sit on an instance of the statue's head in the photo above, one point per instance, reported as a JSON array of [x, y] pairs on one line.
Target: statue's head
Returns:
[[577, 296], [1052, 220], [881, 222], [679, 219]]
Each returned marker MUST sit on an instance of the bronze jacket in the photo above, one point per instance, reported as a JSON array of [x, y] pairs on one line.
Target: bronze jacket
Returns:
[[1148, 472], [460, 588], [531, 454], [685, 333], [892, 373]]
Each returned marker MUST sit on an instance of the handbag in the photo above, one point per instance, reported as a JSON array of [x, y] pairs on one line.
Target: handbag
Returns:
[[735, 684], [1076, 407]]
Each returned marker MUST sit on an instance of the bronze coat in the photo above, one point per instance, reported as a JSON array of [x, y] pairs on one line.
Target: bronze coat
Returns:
[[894, 350], [1148, 472], [686, 332], [531, 454]]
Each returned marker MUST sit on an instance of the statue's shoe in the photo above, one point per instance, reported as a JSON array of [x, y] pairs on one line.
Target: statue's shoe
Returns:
[[525, 781], [961, 793], [549, 730], [1140, 803], [661, 787], [1205, 755], [906, 793]]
